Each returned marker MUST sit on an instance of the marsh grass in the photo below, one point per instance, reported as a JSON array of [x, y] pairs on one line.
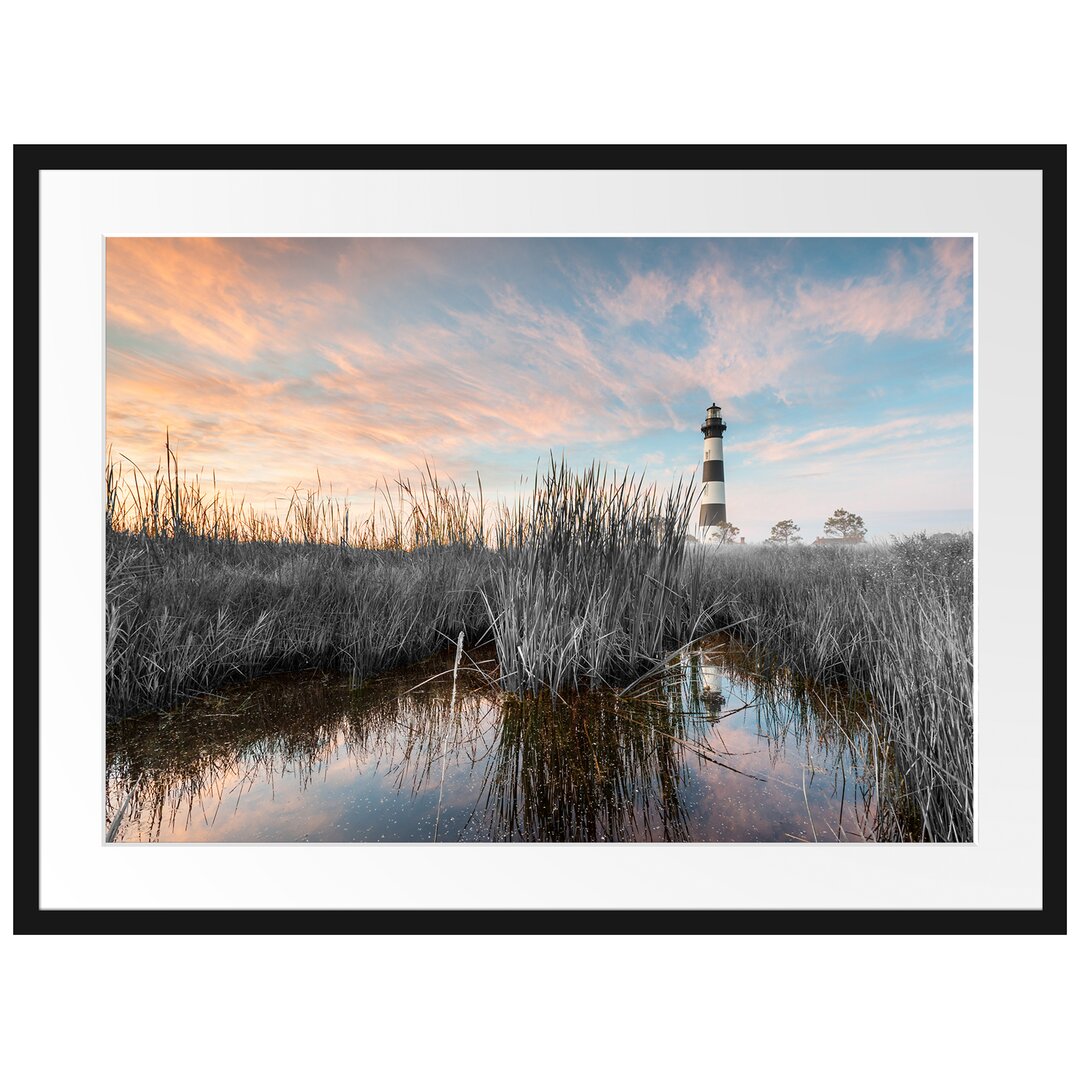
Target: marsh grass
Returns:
[[187, 615], [894, 622], [577, 584], [588, 581], [587, 586], [202, 590]]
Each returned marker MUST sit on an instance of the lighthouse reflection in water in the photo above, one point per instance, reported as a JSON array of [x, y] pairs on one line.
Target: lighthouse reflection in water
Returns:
[[713, 683], [716, 748]]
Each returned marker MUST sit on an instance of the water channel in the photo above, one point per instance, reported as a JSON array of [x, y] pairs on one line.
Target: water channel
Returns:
[[715, 747]]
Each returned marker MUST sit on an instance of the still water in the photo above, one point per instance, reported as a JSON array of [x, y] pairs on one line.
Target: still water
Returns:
[[714, 748]]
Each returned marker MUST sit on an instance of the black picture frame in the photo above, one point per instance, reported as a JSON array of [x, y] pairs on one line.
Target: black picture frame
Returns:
[[31, 160]]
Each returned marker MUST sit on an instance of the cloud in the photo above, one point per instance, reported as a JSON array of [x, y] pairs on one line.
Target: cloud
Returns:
[[955, 255], [646, 297], [918, 302], [269, 358], [228, 298], [745, 342], [822, 441]]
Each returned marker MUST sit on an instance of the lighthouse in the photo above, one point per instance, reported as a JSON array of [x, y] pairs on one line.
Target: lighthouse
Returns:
[[713, 504]]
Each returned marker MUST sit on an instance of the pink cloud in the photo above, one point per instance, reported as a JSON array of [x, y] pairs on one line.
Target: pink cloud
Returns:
[[821, 441], [266, 368], [645, 298], [955, 255], [920, 305], [211, 295]]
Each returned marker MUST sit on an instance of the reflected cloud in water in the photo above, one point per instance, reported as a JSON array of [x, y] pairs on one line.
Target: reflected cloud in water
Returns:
[[714, 748]]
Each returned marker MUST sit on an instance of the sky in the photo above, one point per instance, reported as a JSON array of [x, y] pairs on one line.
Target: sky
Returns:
[[844, 366]]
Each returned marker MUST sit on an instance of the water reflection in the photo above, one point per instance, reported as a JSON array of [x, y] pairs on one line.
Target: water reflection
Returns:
[[716, 747], [585, 769]]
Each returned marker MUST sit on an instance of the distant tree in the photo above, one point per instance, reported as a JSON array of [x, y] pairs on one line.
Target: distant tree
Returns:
[[846, 524], [724, 533], [784, 532]]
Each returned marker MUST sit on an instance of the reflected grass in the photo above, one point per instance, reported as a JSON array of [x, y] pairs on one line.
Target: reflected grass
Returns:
[[580, 767], [575, 770]]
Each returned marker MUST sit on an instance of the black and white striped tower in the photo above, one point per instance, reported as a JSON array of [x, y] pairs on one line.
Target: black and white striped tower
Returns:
[[713, 504]]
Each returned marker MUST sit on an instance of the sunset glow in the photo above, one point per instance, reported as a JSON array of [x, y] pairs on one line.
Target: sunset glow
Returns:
[[844, 366]]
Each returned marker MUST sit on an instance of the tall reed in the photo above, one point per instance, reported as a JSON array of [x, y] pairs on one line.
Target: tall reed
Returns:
[[202, 589], [586, 585]]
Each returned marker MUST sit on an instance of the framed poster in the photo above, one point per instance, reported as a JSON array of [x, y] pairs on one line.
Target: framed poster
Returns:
[[638, 503]]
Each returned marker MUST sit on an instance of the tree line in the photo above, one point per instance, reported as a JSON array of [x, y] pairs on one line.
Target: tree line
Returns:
[[841, 523]]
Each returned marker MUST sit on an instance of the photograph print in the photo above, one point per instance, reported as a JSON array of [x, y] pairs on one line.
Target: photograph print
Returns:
[[562, 539]]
